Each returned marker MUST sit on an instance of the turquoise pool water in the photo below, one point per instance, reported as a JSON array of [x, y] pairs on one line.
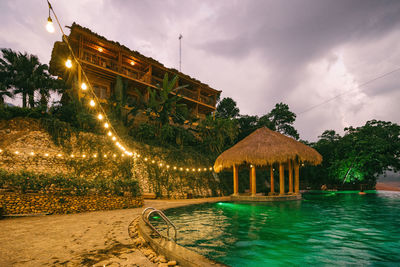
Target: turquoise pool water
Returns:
[[329, 229]]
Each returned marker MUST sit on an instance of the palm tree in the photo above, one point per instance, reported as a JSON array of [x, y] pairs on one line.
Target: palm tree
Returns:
[[26, 75], [4, 88]]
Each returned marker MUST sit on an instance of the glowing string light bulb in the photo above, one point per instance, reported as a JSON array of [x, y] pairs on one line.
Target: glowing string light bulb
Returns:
[[106, 125], [84, 86], [92, 103], [100, 116], [113, 138], [49, 25], [109, 133], [68, 63]]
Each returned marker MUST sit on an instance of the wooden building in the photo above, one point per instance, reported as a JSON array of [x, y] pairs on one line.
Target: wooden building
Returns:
[[103, 60]]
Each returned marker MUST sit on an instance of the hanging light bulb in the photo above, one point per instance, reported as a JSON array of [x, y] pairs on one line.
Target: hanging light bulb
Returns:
[[152, 161], [100, 116], [46, 155], [145, 159], [1, 150], [72, 156], [95, 156], [167, 166], [83, 156], [59, 155], [32, 154], [49, 25], [199, 169], [181, 169], [106, 125], [105, 156], [210, 168], [92, 103], [174, 167], [109, 133], [113, 138], [17, 152], [83, 86], [68, 63]]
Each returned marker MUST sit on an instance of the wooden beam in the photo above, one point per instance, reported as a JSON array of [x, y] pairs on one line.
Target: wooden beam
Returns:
[[297, 178], [281, 179], [290, 169], [253, 181], [235, 180]]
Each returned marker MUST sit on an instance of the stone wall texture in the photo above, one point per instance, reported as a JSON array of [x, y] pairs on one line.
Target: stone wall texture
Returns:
[[24, 135], [31, 203]]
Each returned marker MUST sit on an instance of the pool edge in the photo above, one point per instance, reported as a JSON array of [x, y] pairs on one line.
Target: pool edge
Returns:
[[173, 251]]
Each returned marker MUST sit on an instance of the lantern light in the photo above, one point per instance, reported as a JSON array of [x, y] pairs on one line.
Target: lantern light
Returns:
[[68, 63], [49, 25]]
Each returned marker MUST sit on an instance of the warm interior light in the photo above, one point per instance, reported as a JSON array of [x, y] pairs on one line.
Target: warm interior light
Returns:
[[49, 25], [92, 103], [106, 125], [83, 86], [68, 63], [100, 117], [100, 49]]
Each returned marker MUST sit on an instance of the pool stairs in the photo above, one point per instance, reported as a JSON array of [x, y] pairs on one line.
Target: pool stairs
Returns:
[[147, 212]]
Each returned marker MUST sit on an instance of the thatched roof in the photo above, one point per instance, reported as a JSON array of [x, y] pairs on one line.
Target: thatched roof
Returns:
[[265, 147]]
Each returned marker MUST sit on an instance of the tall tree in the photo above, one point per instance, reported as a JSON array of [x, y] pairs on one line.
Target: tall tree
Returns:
[[281, 120], [227, 108], [4, 87], [26, 75]]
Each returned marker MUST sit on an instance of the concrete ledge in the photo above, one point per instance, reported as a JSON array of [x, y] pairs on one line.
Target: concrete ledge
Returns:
[[266, 198], [172, 251]]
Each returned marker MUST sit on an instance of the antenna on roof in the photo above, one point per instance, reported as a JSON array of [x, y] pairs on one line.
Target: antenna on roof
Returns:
[[180, 52]]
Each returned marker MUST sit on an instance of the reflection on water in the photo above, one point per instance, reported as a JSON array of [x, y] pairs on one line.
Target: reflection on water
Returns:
[[337, 229]]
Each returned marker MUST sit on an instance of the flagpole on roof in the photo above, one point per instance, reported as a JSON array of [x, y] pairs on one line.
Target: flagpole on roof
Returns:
[[180, 52]]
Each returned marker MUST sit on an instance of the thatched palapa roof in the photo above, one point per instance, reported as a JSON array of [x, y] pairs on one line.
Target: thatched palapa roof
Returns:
[[265, 147]]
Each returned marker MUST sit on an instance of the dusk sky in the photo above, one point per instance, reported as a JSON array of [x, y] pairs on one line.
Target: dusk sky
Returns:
[[259, 53]]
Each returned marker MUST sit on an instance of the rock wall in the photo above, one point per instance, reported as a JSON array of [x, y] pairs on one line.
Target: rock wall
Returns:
[[21, 136], [18, 203]]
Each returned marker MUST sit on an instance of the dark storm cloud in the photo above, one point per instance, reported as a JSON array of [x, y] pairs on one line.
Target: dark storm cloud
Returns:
[[300, 52]]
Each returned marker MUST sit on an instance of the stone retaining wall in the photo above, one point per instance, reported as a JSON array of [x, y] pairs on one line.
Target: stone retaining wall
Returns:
[[18, 203]]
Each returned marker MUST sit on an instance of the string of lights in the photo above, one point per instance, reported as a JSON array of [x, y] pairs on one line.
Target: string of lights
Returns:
[[94, 103]]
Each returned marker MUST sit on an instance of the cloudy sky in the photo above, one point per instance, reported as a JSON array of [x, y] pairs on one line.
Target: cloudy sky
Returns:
[[300, 52]]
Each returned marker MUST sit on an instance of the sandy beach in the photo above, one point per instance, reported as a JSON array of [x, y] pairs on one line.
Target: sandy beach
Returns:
[[77, 239]]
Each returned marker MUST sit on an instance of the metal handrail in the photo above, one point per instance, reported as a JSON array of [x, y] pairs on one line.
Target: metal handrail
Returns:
[[163, 216]]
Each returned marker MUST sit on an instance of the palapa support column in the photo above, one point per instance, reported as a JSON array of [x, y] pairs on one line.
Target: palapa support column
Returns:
[[281, 179], [272, 180], [296, 177], [253, 181], [290, 167], [235, 180], [250, 184]]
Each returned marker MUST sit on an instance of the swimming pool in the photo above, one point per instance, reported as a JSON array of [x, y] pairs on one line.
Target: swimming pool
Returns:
[[324, 229]]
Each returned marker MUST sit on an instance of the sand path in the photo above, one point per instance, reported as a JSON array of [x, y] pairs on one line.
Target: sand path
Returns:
[[77, 239]]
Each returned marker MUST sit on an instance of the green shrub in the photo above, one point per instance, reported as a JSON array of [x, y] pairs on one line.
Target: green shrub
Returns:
[[14, 112], [67, 185]]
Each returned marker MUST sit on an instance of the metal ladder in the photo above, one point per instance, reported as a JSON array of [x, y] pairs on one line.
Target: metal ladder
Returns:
[[147, 212]]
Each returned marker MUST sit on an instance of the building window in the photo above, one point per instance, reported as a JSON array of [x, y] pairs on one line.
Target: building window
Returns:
[[100, 91]]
